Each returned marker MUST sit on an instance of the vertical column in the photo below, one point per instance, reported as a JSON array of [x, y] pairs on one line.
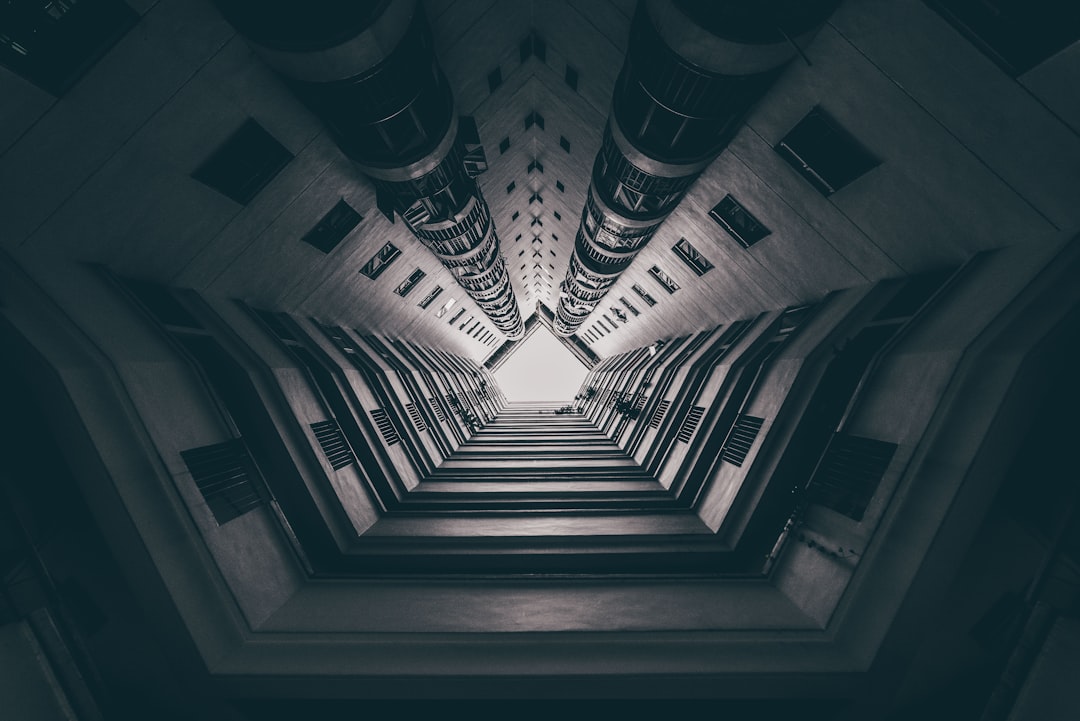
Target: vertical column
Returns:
[[369, 71], [693, 71]]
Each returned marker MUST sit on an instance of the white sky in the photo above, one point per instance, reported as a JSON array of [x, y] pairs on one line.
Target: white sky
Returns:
[[541, 369]]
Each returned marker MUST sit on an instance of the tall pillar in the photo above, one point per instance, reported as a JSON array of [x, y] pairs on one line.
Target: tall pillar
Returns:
[[693, 71], [368, 69]]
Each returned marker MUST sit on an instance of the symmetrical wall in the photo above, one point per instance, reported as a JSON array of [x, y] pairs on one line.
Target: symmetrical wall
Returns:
[[368, 70], [750, 430], [692, 73]]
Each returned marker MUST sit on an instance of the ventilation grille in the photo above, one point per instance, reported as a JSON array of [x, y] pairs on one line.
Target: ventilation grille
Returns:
[[639, 403], [690, 424], [333, 444], [849, 474], [417, 419], [658, 414], [437, 409], [386, 428], [223, 474], [741, 438]]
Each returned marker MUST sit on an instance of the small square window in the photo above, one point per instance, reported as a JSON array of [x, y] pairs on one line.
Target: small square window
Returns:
[[515, 216], [557, 216], [572, 77], [824, 153], [533, 44], [559, 186], [534, 118], [333, 227], [510, 188], [536, 165], [738, 222], [692, 257], [380, 261], [504, 145], [445, 308], [564, 143], [494, 79], [663, 279], [406, 286], [244, 164], [53, 44], [649, 300]]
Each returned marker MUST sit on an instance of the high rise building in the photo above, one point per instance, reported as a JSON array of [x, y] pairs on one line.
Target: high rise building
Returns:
[[261, 265]]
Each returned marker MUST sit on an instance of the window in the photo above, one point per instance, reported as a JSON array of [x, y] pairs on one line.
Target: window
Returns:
[[571, 77], [417, 419], [52, 44], [1016, 35], [564, 143], [557, 216], [385, 426], [849, 474], [406, 286], [691, 257], [504, 145], [536, 197], [534, 118], [454, 318], [244, 164], [223, 473], [659, 413], [337, 451], [494, 79], [629, 306], [663, 279], [690, 424], [533, 44], [380, 261], [510, 188], [738, 222], [446, 307], [430, 297], [333, 227], [741, 439], [559, 186], [649, 300], [824, 153], [515, 216], [536, 165]]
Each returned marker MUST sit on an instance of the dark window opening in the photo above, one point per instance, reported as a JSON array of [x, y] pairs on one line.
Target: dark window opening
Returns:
[[644, 295], [244, 164], [53, 44], [572, 77], [730, 215], [1015, 34], [430, 297], [494, 79], [333, 227], [223, 473], [380, 261], [335, 448], [689, 255], [504, 145], [564, 143], [824, 153], [663, 279], [406, 286]]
